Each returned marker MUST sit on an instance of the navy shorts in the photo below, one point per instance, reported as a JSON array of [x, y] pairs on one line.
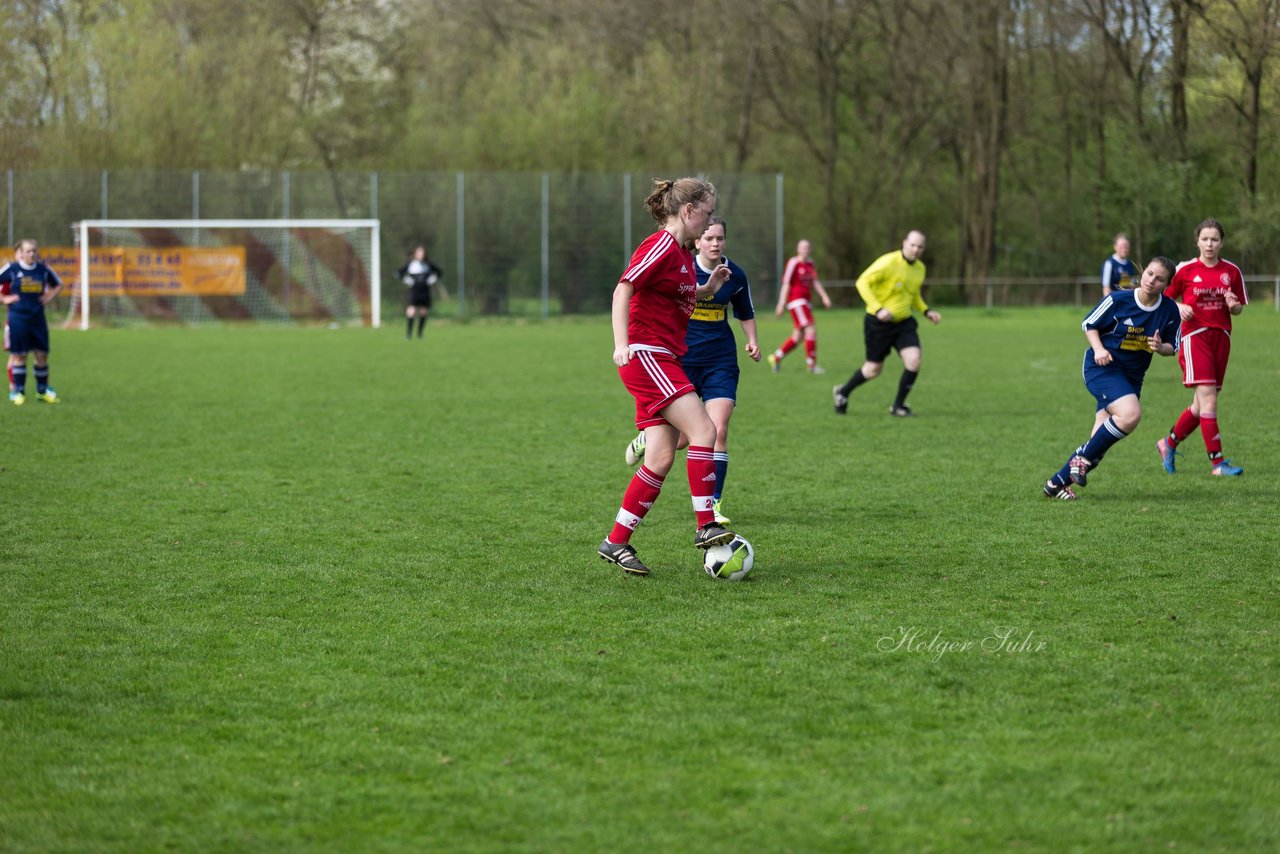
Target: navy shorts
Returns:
[[714, 381], [25, 333], [1108, 385], [882, 336]]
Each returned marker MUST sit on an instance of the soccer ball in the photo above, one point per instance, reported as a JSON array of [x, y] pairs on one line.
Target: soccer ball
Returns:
[[731, 561]]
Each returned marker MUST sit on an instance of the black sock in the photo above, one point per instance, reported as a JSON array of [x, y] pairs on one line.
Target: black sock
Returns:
[[854, 381], [42, 378], [422, 321], [904, 387], [408, 327]]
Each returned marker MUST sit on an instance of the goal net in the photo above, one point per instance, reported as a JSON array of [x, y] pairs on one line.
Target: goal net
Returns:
[[214, 271]]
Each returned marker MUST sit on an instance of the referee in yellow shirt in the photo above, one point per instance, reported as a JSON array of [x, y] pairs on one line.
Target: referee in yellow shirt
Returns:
[[891, 289]]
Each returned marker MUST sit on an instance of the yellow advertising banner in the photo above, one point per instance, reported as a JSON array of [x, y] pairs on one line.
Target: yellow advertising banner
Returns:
[[153, 271]]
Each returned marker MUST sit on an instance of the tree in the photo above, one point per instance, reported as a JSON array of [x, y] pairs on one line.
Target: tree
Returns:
[[1249, 32]]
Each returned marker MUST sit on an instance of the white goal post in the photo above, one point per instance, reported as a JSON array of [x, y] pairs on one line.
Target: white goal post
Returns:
[[370, 256]]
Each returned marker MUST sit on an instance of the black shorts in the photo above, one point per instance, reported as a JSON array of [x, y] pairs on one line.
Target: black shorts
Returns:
[[881, 336], [420, 296]]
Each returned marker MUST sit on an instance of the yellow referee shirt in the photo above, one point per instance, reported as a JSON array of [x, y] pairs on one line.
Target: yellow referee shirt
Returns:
[[890, 282]]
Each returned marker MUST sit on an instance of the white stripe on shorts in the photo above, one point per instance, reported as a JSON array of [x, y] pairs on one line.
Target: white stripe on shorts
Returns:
[[651, 367]]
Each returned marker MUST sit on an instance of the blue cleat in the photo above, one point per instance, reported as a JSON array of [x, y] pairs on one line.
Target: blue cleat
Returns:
[[1225, 469], [1167, 454]]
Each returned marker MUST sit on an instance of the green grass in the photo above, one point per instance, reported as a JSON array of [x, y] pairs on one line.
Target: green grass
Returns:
[[326, 589]]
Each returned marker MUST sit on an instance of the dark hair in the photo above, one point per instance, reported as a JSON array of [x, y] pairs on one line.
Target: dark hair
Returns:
[[1168, 264], [669, 196], [1211, 223], [717, 220]]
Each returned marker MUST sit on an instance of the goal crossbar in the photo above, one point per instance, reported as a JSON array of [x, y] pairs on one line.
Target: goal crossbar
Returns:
[[375, 263]]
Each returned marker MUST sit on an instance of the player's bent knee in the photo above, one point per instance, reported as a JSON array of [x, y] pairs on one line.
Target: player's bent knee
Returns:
[[659, 462]]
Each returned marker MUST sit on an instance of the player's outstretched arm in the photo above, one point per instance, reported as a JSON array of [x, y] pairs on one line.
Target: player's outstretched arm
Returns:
[[718, 277]]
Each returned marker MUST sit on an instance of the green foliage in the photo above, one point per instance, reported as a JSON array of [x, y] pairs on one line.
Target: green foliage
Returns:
[[1020, 136], [307, 588]]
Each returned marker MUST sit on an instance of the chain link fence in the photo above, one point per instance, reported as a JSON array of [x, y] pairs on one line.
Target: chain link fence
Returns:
[[513, 244]]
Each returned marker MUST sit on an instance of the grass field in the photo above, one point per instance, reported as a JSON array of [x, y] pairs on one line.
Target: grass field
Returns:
[[316, 589]]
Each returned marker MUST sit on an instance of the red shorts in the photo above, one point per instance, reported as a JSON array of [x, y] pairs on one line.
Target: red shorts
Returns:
[[1203, 356], [654, 380], [801, 313]]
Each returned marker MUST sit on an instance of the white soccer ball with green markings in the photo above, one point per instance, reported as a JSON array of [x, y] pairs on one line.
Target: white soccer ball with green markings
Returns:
[[731, 561]]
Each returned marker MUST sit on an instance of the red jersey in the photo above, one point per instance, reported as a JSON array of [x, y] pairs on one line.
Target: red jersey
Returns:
[[1204, 288], [803, 274], [663, 276]]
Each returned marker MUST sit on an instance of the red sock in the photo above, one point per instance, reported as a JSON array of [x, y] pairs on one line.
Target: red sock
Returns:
[[1212, 439], [1186, 424], [701, 463], [811, 351], [639, 497]]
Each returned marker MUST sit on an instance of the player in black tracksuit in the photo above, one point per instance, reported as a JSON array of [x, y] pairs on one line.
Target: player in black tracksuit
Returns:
[[418, 276]]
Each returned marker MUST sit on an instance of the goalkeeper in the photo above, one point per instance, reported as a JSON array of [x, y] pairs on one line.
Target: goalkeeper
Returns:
[[418, 275]]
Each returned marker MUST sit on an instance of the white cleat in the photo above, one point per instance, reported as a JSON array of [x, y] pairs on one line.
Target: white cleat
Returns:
[[635, 450]]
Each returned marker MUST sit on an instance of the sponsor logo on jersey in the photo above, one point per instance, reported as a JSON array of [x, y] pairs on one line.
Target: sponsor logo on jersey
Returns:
[[708, 312]]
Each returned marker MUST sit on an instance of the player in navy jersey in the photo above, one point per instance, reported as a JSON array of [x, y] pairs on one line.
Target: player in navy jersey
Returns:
[[26, 285], [1123, 330], [711, 362], [651, 307], [1118, 271]]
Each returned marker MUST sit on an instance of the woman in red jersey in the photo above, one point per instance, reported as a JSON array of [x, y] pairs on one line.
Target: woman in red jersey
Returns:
[[1210, 291], [799, 280], [651, 308]]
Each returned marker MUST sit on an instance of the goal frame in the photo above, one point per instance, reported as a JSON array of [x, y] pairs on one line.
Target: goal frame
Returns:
[[375, 248]]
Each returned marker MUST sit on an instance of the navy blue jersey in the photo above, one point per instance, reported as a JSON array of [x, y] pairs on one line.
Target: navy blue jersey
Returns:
[[1124, 325], [709, 337], [1117, 274], [29, 283]]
